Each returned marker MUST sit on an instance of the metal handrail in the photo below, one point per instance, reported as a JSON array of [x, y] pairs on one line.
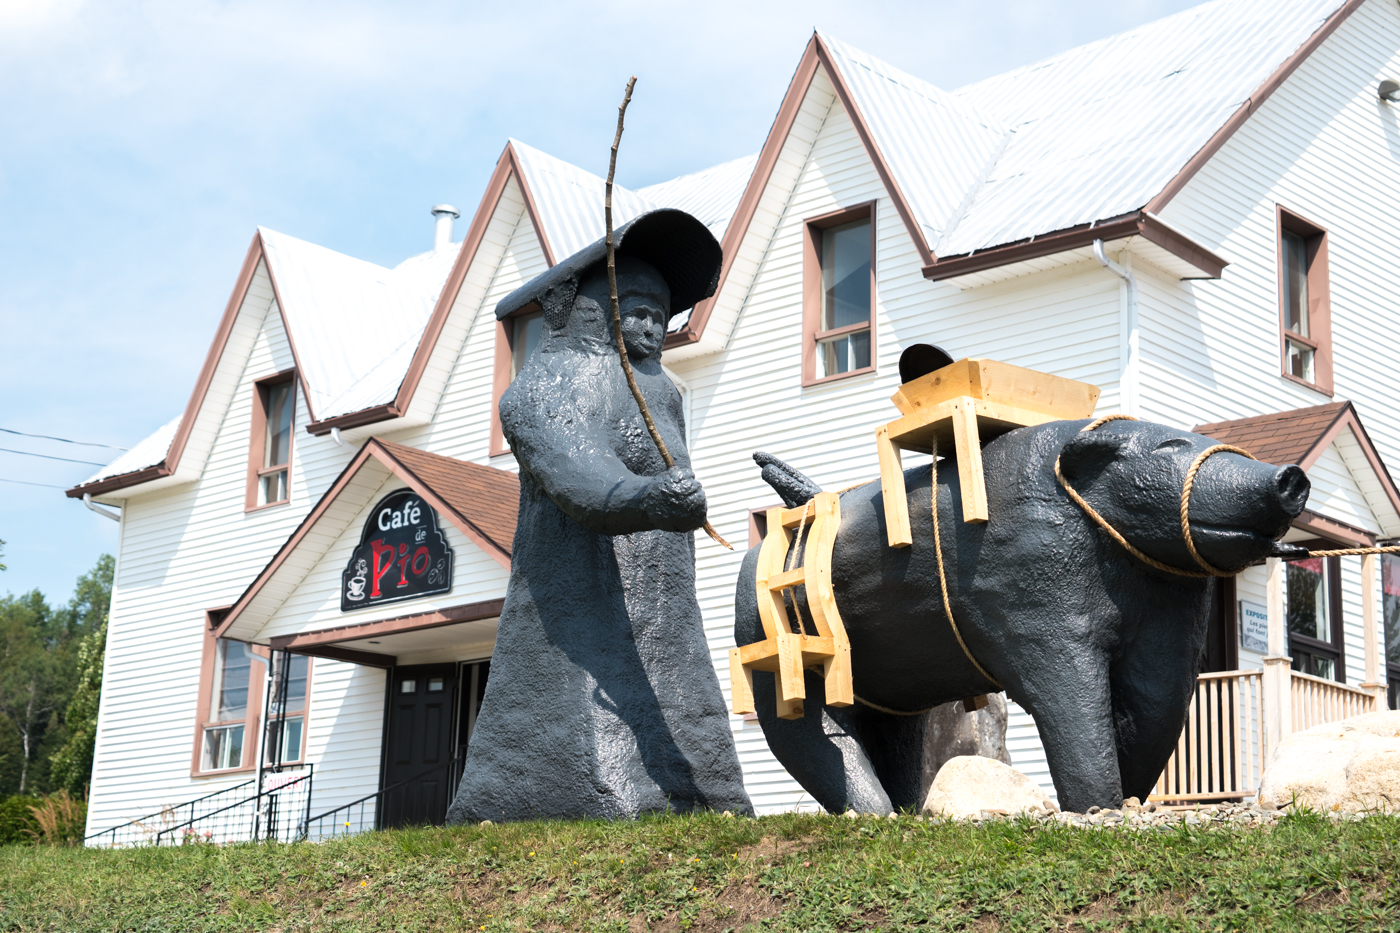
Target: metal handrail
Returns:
[[141, 820], [258, 797], [449, 763]]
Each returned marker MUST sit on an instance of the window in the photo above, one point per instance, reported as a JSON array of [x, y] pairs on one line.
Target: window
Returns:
[[516, 339], [1315, 617], [286, 732], [525, 336], [1390, 611], [228, 717], [270, 450], [839, 295], [1304, 302]]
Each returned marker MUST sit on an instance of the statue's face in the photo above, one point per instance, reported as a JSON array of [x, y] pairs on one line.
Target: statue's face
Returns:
[[643, 299], [645, 304]]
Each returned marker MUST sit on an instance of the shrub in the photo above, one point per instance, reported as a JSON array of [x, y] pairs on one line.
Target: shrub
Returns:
[[60, 818], [17, 824]]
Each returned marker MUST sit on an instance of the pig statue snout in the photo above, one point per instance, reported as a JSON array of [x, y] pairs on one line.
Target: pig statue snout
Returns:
[[1238, 507]]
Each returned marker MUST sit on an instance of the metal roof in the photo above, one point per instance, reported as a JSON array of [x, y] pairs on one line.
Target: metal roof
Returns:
[[1098, 131], [148, 452]]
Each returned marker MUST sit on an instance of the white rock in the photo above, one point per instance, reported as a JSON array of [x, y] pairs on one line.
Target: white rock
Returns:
[[968, 784], [1349, 766]]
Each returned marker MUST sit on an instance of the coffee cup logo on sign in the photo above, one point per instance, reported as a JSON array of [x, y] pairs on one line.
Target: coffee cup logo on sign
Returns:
[[402, 554]]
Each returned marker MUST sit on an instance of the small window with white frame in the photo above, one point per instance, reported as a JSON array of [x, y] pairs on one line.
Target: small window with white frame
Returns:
[[839, 295]]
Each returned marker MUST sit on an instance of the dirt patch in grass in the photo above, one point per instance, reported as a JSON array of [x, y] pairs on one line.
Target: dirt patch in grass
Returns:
[[738, 907]]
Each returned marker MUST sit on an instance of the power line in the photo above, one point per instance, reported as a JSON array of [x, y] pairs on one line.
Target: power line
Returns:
[[49, 437], [23, 483], [26, 453]]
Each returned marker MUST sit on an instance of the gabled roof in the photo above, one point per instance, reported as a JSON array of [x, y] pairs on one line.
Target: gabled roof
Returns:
[[1302, 435], [332, 308], [480, 501]]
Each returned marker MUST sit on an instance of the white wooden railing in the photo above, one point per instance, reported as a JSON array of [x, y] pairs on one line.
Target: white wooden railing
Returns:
[[1221, 751], [1316, 701]]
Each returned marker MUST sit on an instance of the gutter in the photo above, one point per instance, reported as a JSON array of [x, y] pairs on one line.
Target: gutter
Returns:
[[104, 512]]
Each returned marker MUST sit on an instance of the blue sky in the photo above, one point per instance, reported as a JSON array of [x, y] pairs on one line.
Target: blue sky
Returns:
[[142, 142]]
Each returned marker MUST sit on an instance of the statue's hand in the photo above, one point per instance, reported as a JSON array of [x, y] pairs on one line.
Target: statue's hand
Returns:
[[675, 501]]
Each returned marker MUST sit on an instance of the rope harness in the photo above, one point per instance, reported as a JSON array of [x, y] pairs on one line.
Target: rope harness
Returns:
[[1206, 569]]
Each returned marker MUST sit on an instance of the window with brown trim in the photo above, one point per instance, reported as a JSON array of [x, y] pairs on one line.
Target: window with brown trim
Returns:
[[838, 295], [1305, 307], [516, 339], [270, 447], [229, 705], [1314, 612]]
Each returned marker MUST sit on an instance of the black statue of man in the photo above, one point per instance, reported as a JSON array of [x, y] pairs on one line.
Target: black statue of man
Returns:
[[603, 700]]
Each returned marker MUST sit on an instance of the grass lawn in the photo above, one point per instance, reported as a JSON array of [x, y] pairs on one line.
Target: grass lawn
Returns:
[[714, 873]]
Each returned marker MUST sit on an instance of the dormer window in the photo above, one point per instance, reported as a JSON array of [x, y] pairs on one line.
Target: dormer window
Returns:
[[270, 449], [839, 295], [1305, 308]]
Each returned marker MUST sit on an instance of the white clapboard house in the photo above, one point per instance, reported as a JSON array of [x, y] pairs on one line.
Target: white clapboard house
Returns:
[[1198, 216]]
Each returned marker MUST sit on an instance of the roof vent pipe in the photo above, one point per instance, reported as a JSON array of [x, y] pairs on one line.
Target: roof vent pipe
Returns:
[[442, 228]]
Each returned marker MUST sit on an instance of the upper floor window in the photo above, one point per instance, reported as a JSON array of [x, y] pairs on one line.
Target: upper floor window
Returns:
[[1315, 617], [516, 339], [839, 295], [1304, 301], [270, 450], [525, 336]]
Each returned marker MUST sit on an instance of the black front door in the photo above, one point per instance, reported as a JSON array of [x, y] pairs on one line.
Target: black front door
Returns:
[[418, 745]]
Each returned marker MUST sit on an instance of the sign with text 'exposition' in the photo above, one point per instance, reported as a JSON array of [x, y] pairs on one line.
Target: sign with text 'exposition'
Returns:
[[402, 555]]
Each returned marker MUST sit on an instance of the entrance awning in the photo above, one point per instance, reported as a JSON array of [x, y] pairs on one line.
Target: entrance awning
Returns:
[[295, 601]]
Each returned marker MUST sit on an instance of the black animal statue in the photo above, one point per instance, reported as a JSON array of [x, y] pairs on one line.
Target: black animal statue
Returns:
[[1101, 648], [603, 701]]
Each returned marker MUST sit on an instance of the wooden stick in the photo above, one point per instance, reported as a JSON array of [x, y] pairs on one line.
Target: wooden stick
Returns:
[[617, 312]]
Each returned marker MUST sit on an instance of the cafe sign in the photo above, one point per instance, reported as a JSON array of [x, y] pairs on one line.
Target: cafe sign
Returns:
[[402, 555]]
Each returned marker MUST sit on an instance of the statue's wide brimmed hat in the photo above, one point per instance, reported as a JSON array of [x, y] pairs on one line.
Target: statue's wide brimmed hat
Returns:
[[680, 247]]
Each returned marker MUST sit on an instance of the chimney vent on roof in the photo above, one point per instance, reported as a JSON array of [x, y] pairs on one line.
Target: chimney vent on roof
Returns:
[[442, 227]]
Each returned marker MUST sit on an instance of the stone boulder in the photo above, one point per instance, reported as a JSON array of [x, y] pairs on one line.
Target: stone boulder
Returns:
[[969, 784], [1352, 766]]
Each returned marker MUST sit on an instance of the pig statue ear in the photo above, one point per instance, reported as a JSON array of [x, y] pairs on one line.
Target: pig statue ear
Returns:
[[1090, 451]]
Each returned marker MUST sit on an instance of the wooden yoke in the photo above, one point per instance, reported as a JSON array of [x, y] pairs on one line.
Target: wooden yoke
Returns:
[[788, 649], [960, 406]]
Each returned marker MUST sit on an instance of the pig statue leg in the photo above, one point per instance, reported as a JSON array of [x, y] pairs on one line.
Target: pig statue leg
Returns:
[[1073, 711], [1151, 693], [822, 750]]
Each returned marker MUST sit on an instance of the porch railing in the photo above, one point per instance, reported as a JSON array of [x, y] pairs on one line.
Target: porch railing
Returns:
[[145, 828], [1220, 754], [1317, 701], [277, 813]]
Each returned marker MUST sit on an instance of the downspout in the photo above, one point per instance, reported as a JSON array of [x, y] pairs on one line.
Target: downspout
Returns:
[[1128, 360], [105, 513], [335, 436]]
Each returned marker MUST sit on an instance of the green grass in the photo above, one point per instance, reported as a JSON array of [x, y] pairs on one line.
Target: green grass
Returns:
[[712, 873]]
